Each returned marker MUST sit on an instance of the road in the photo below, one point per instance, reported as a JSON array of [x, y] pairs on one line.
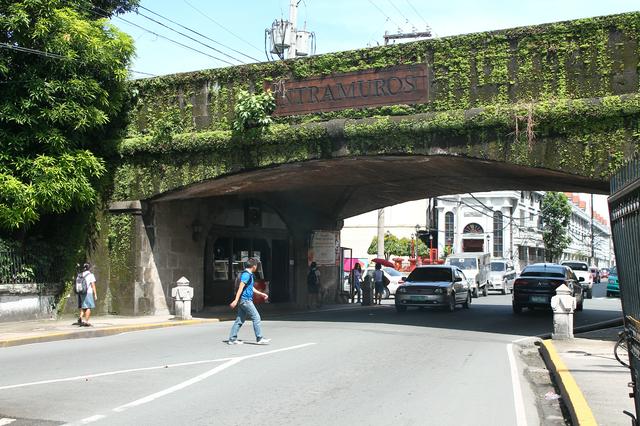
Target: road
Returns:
[[350, 366]]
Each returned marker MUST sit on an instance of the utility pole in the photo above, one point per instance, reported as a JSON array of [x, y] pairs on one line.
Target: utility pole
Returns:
[[381, 233], [593, 254], [388, 37], [293, 19]]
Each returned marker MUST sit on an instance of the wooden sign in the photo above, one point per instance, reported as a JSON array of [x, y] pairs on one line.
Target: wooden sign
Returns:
[[390, 86]]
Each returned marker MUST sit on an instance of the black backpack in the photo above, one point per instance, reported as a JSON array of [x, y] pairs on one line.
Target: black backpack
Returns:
[[312, 278]]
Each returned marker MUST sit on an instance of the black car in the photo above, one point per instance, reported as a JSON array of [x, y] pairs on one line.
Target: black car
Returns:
[[537, 284], [436, 286]]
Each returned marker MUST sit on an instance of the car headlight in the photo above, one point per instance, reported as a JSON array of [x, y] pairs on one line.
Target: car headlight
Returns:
[[438, 291], [402, 289]]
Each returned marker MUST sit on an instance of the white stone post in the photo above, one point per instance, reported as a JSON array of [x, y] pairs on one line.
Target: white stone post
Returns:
[[563, 305], [182, 295]]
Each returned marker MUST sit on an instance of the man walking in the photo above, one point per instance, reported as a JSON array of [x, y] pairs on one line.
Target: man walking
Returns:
[[244, 301]]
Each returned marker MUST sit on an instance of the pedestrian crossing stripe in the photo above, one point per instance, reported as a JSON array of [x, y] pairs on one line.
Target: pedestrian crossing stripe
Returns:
[[6, 421]]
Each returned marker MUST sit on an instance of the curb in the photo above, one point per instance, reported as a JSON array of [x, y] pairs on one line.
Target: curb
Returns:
[[616, 322], [99, 332], [572, 396]]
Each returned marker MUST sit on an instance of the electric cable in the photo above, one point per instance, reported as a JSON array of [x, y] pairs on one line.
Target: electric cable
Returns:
[[162, 36], [220, 25], [33, 51], [384, 14], [418, 13], [400, 12], [200, 34]]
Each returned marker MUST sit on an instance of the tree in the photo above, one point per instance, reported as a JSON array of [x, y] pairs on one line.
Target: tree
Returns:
[[392, 245], [63, 68], [556, 215]]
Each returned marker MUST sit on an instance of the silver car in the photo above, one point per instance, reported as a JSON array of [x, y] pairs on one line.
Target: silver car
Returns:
[[502, 276], [436, 286]]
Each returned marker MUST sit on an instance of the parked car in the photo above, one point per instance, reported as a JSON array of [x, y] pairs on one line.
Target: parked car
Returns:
[[502, 275], [613, 284], [595, 274], [476, 267], [394, 276], [581, 270], [434, 285], [604, 273], [537, 284]]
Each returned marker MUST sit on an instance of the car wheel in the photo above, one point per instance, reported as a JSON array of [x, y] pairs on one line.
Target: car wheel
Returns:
[[517, 309], [400, 308], [580, 305], [386, 293], [485, 290], [589, 294], [474, 292], [467, 303], [452, 302], [504, 287], [608, 294]]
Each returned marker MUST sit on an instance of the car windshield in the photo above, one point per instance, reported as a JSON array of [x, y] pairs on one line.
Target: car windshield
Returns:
[[464, 263], [577, 266], [497, 266], [392, 272], [543, 272], [430, 275], [613, 271]]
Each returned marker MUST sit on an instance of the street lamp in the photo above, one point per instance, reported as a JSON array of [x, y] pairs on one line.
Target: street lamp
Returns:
[[488, 250]]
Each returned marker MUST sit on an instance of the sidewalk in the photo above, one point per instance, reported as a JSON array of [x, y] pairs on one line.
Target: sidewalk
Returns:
[[26, 332], [592, 383]]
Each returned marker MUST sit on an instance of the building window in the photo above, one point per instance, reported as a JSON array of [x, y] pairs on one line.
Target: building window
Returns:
[[497, 234], [448, 229], [522, 224], [523, 253]]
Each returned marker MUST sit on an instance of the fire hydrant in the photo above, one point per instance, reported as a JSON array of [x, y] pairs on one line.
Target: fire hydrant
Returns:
[[563, 305], [182, 295]]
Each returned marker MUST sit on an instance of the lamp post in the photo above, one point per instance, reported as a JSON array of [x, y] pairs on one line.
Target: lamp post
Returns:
[[431, 248], [413, 246], [488, 249]]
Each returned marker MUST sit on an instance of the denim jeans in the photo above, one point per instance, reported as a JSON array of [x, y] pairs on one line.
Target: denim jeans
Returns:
[[246, 308]]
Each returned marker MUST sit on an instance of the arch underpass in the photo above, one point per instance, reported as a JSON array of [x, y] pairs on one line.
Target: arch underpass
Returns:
[[552, 107]]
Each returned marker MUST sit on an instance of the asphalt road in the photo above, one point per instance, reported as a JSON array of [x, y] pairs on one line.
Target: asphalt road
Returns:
[[351, 366]]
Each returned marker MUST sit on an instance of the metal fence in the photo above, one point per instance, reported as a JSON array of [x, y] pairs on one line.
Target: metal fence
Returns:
[[17, 268], [624, 209]]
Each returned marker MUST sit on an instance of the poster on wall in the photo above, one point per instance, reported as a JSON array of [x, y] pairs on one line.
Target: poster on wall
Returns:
[[324, 248]]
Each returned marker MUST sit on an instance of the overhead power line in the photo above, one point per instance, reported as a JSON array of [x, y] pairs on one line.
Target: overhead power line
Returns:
[[142, 73], [384, 14], [160, 35], [221, 26], [33, 51], [417, 13], [400, 12], [200, 34], [189, 37]]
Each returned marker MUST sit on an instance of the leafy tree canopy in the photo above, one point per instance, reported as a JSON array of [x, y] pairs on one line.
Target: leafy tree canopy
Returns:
[[556, 215], [57, 109], [398, 246]]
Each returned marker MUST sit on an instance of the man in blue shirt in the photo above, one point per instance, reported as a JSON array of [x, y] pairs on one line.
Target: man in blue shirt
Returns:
[[244, 302]]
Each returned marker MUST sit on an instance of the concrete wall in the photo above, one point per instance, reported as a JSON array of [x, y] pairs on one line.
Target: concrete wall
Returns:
[[22, 302]]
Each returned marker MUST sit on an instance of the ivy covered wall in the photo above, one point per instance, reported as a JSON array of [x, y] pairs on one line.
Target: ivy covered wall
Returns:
[[550, 96]]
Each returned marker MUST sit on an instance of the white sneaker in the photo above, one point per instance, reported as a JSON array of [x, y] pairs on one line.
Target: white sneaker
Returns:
[[234, 342], [263, 341]]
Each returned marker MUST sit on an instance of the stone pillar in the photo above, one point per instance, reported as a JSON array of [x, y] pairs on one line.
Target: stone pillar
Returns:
[[563, 305], [182, 295]]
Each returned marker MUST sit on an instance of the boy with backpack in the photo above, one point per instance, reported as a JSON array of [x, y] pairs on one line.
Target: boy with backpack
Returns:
[[85, 288], [313, 285]]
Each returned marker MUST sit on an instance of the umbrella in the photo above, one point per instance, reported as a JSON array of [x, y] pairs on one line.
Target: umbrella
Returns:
[[349, 263], [383, 262]]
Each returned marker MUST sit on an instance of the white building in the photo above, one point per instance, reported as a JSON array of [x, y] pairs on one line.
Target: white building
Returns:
[[506, 223]]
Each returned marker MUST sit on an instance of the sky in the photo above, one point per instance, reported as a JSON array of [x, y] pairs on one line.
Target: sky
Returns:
[[237, 28]]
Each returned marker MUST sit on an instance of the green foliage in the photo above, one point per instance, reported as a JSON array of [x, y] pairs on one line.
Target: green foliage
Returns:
[[253, 110], [397, 246], [57, 115], [556, 215]]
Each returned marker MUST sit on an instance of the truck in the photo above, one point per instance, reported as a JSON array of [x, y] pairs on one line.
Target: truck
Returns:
[[476, 268]]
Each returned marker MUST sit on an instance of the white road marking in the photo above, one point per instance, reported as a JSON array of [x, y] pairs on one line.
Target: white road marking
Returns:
[[521, 418], [112, 373], [6, 421], [229, 362]]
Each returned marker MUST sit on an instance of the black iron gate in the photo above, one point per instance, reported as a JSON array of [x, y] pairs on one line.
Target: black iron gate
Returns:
[[624, 209]]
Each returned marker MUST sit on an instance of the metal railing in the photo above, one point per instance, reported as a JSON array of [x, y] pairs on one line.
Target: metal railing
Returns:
[[624, 209], [16, 268]]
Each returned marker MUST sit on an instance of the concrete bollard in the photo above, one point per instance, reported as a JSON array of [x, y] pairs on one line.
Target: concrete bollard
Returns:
[[182, 296], [563, 305]]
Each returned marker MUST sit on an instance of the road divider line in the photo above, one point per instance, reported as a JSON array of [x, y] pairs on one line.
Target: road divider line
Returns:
[[6, 421], [202, 376], [521, 418], [113, 373]]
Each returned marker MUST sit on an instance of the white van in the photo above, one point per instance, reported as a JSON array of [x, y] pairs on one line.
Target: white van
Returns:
[[477, 269]]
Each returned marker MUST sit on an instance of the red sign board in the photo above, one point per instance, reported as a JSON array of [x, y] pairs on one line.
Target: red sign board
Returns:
[[390, 86]]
